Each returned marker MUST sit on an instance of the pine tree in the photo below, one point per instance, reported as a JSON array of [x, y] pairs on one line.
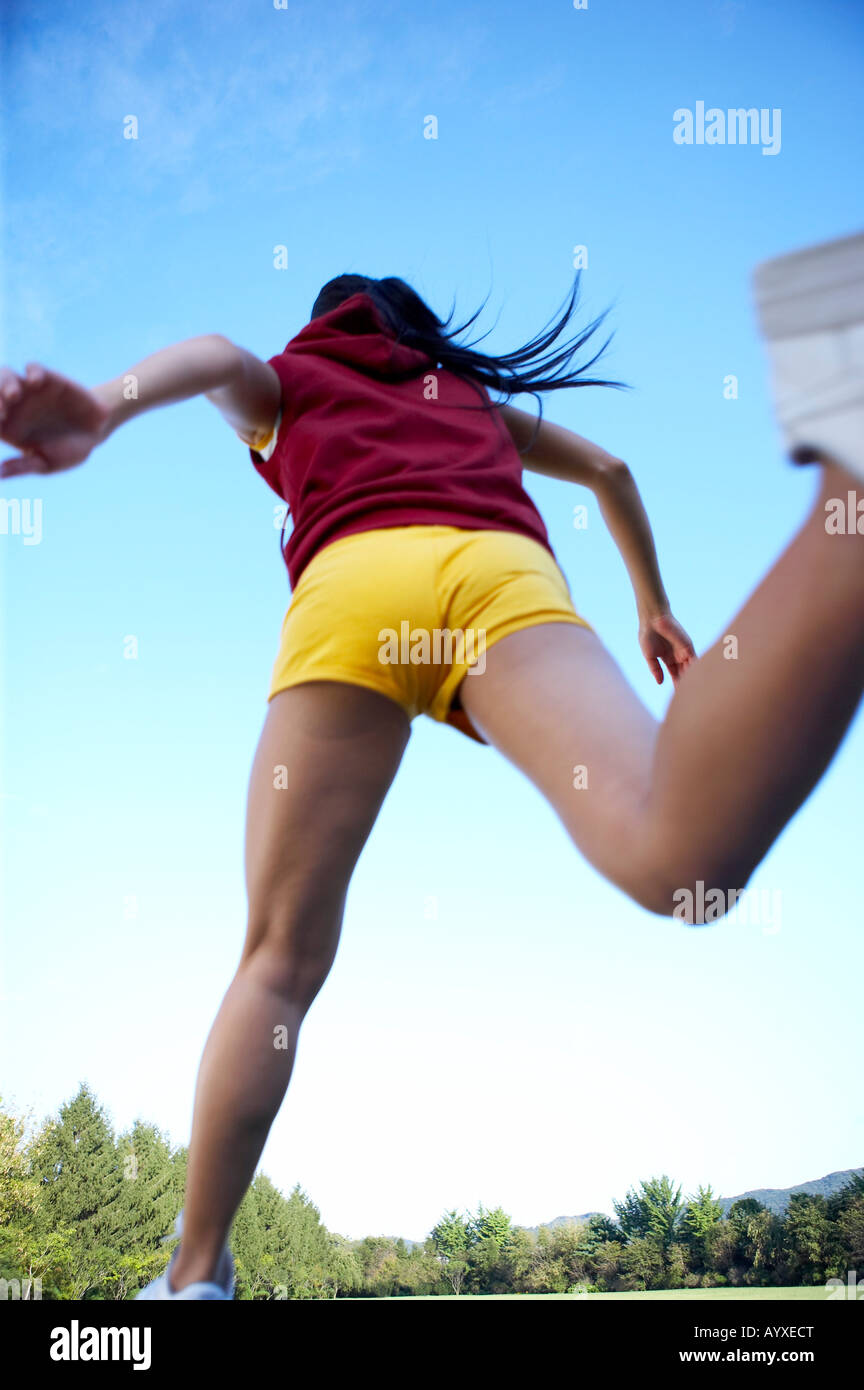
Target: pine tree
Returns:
[[76, 1164], [700, 1222], [151, 1194]]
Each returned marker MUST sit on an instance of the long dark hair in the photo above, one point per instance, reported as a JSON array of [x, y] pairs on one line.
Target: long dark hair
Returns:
[[531, 370]]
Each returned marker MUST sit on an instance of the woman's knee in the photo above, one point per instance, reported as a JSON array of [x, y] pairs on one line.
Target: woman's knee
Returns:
[[291, 945], [696, 890]]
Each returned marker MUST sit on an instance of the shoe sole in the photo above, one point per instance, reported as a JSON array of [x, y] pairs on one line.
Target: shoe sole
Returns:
[[810, 310]]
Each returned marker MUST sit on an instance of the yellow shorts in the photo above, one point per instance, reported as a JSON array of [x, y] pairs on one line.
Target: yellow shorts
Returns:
[[410, 611]]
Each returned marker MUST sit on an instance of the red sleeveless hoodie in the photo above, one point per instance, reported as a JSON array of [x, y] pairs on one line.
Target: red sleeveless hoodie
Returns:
[[371, 436]]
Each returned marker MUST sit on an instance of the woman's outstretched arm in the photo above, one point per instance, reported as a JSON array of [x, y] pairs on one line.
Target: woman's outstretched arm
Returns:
[[242, 387], [56, 423]]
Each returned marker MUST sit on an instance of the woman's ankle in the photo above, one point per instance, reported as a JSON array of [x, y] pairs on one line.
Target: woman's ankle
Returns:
[[191, 1270]]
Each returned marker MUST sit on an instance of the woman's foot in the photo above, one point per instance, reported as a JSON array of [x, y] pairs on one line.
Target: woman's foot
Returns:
[[810, 309]]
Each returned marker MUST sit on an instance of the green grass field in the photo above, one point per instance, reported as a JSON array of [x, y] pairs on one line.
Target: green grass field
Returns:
[[652, 1296]]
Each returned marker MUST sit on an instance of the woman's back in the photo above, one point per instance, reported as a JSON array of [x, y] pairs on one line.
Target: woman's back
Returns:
[[373, 433]]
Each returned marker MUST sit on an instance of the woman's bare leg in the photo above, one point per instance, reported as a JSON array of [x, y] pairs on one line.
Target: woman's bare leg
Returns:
[[340, 747], [744, 741]]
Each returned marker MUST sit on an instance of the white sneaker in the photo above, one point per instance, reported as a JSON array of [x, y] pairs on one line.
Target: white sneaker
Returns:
[[810, 309], [221, 1288]]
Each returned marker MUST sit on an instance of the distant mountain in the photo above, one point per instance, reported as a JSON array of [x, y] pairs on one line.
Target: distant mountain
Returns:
[[776, 1199], [563, 1221]]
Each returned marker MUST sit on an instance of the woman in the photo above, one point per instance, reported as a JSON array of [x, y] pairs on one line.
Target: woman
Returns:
[[404, 480]]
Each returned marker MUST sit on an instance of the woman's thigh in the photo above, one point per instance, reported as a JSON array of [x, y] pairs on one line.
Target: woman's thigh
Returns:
[[327, 755], [557, 705]]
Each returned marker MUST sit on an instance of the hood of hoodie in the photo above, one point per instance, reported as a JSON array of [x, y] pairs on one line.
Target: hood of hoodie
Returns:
[[356, 333]]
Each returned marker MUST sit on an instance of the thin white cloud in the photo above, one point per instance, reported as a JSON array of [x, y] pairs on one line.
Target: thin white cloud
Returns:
[[236, 105]]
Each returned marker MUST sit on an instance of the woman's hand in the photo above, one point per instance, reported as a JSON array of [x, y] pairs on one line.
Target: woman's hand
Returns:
[[662, 638], [53, 422]]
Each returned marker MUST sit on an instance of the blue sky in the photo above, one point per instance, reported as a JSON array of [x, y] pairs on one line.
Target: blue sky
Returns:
[[500, 1024]]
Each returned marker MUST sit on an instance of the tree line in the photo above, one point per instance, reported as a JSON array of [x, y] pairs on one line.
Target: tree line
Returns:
[[83, 1215]]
